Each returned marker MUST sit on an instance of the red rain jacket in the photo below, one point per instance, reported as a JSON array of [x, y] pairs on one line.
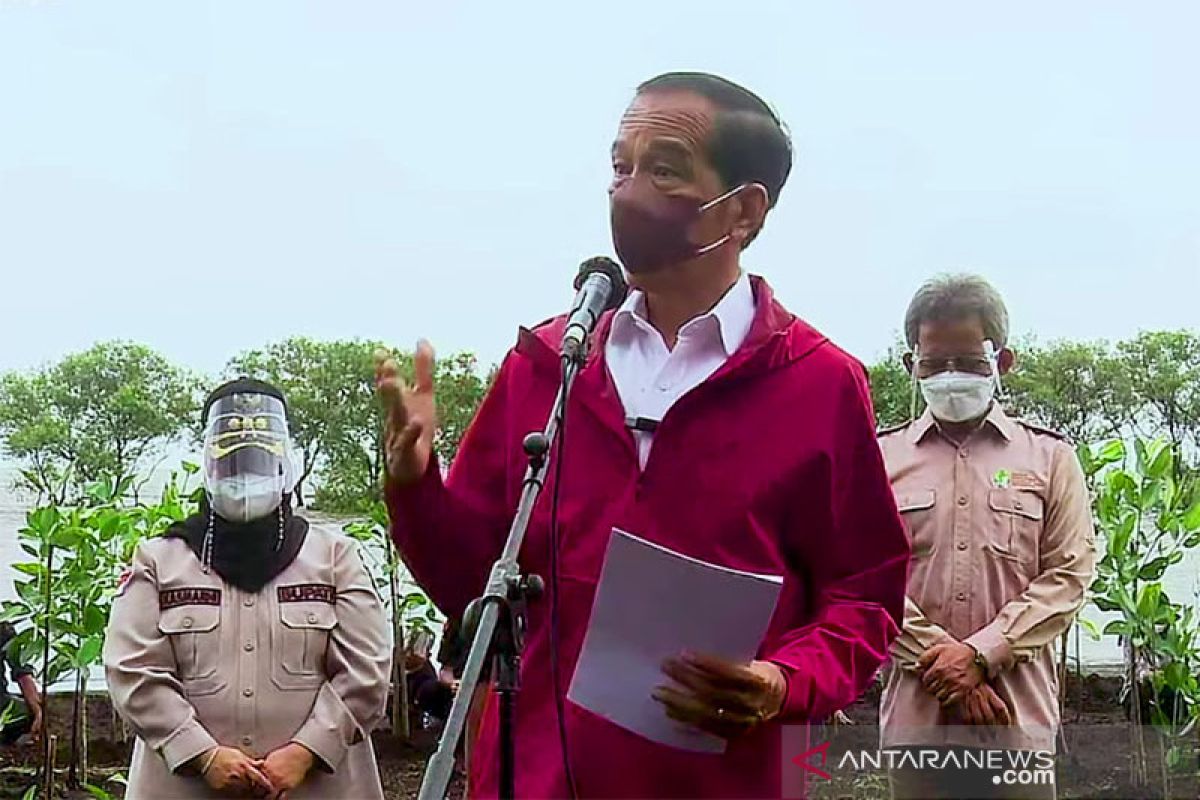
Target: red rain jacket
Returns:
[[771, 466]]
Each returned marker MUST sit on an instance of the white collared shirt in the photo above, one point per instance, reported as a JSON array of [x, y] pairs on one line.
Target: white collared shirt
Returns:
[[649, 377]]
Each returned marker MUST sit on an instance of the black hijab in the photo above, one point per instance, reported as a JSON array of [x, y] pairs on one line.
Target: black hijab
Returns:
[[245, 554]]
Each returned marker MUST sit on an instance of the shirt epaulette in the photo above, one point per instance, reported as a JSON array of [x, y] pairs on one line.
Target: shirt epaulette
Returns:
[[1033, 426], [881, 432]]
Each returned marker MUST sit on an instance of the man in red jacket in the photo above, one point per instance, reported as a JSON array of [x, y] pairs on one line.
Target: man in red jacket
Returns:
[[707, 419]]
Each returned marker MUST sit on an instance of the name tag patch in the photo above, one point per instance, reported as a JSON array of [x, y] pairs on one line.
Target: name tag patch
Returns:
[[1026, 480], [308, 593], [189, 596]]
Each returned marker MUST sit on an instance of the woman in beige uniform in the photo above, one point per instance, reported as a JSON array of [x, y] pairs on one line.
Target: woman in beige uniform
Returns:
[[249, 653]]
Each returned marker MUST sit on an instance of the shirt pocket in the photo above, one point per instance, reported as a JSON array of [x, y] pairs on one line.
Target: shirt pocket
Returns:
[[195, 635], [1015, 525], [301, 639], [916, 508]]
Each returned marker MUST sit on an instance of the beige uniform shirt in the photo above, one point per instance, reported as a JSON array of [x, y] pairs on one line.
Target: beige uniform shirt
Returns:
[[1003, 551], [193, 662]]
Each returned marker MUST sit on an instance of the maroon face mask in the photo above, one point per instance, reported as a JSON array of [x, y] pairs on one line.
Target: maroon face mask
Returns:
[[650, 229]]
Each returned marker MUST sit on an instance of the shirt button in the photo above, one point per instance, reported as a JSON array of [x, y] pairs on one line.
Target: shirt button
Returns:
[[962, 500], [247, 740], [249, 601], [961, 596], [963, 453], [187, 622], [1017, 505], [247, 692], [962, 545], [312, 618], [248, 647]]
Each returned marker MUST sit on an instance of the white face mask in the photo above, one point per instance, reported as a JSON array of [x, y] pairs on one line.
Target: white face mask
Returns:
[[242, 498], [958, 396]]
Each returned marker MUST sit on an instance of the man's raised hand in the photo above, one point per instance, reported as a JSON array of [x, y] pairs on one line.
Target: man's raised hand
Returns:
[[410, 414]]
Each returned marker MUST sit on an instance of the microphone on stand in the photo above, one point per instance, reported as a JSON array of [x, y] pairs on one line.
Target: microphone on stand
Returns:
[[601, 285], [499, 615]]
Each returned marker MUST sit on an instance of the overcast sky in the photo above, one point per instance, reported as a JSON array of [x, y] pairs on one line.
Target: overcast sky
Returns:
[[208, 177]]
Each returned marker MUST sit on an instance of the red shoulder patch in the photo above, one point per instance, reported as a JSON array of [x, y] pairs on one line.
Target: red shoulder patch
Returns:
[[123, 580]]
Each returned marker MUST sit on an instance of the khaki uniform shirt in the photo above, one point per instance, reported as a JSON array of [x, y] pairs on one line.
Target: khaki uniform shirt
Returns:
[[193, 662], [1003, 551]]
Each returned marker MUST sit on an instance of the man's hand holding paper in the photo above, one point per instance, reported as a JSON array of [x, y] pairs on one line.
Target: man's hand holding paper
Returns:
[[719, 696]]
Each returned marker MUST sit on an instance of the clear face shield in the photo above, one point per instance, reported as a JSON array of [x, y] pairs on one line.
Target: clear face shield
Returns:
[[248, 460]]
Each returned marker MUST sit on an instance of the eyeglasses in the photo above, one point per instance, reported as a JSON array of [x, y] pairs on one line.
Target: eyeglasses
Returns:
[[928, 366]]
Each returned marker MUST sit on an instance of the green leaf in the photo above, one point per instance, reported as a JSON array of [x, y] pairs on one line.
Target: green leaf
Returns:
[[1142, 457], [1090, 628], [112, 525], [1163, 458], [97, 792], [1150, 495], [1148, 601], [1191, 518], [1118, 543], [66, 538], [189, 467], [1175, 675], [1127, 605], [30, 650], [1123, 487], [31, 568], [94, 620], [416, 598], [1116, 628], [1083, 452], [30, 593], [14, 612], [99, 492], [31, 793], [43, 520], [1154, 569], [89, 651], [1111, 452]]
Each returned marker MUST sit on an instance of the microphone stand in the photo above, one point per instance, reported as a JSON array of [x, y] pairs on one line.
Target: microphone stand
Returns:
[[498, 616]]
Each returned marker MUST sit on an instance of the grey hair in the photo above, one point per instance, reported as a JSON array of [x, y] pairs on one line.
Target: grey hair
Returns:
[[951, 298]]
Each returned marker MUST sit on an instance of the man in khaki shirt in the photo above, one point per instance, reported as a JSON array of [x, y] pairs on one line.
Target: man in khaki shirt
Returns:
[[1002, 537]]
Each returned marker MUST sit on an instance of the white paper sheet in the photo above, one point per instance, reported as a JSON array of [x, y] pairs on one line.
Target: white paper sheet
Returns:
[[653, 603]]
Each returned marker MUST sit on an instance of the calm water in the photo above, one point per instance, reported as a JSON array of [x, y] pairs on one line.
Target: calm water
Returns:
[[1183, 581]]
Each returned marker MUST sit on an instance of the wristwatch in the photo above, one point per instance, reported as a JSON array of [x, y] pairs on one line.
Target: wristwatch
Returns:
[[980, 660]]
